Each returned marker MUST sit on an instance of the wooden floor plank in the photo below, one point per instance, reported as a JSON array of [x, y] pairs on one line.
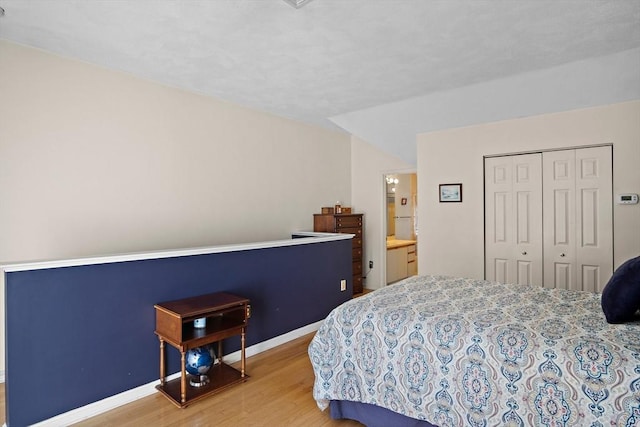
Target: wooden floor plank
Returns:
[[278, 393]]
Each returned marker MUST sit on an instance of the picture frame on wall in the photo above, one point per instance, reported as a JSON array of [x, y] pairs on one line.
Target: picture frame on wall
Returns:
[[450, 193]]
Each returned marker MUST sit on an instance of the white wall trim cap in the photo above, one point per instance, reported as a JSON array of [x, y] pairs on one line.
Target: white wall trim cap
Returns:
[[304, 238]]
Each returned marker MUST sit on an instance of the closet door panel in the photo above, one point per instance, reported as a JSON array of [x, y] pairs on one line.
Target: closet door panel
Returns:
[[499, 241], [561, 211], [578, 221], [527, 188], [501, 270], [562, 275], [501, 203], [513, 219], [525, 272], [589, 220], [594, 239], [559, 229], [591, 278]]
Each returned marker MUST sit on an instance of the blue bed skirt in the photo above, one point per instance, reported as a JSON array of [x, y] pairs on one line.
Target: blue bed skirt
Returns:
[[371, 415]]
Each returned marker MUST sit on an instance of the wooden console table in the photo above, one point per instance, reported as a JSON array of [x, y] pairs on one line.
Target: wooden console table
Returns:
[[226, 316]]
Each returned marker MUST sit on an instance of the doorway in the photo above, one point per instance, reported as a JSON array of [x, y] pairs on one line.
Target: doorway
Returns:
[[401, 217]]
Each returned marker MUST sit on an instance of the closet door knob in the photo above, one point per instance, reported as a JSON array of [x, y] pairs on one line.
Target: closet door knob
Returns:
[[524, 253], [562, 255]]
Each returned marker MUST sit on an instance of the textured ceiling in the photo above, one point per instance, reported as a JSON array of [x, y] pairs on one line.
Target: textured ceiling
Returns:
[[329, 57]]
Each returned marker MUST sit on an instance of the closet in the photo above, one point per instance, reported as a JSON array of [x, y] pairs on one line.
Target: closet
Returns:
[[548, 218]]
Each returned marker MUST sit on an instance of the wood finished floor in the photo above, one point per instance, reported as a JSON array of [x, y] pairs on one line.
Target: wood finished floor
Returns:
[[278, 393]]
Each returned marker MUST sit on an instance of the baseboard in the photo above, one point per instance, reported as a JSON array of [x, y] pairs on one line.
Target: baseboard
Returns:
[[101, 406], [109, 403]]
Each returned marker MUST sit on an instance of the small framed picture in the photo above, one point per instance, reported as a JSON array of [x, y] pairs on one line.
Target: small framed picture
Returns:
[[450, 192], [403, 201]]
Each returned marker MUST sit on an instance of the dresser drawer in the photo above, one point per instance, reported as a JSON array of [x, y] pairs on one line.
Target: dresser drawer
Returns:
[[356, 253], [357, 268], [357, 284], [356, 231], [349, 221]]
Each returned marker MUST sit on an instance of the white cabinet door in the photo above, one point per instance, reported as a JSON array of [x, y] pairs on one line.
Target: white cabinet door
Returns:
[[578, 218], [396, 264], [412, 261], [513, 219]]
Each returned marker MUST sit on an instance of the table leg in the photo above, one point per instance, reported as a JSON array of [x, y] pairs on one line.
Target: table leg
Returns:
[[162, 363], [242, 362], [183, 377]]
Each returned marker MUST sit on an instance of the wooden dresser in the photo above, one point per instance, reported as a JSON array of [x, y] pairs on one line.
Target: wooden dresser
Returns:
[[345, 223]]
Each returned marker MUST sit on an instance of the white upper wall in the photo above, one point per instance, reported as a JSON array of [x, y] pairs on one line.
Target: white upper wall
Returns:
[[598, 81], [94, 161]]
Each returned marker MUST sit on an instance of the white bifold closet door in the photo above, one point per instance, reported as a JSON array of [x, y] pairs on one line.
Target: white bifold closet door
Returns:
[[578, 218], [513, 215], [548, 218]]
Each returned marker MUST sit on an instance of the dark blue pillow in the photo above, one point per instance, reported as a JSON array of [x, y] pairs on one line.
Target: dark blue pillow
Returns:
[[621, 296]]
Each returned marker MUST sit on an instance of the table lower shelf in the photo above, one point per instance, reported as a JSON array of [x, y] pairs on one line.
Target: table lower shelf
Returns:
[[220, 376]]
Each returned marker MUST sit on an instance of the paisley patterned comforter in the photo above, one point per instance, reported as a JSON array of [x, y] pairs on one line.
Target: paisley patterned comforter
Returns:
[[459, 352]]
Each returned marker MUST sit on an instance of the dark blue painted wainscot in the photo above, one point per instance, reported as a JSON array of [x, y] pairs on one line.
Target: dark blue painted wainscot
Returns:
[[80, 333]]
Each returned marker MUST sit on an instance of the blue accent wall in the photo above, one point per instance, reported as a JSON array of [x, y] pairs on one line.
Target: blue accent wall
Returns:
[[76, 335]]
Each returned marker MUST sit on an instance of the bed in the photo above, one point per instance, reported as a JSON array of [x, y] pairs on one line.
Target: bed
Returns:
[[446, 351]]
